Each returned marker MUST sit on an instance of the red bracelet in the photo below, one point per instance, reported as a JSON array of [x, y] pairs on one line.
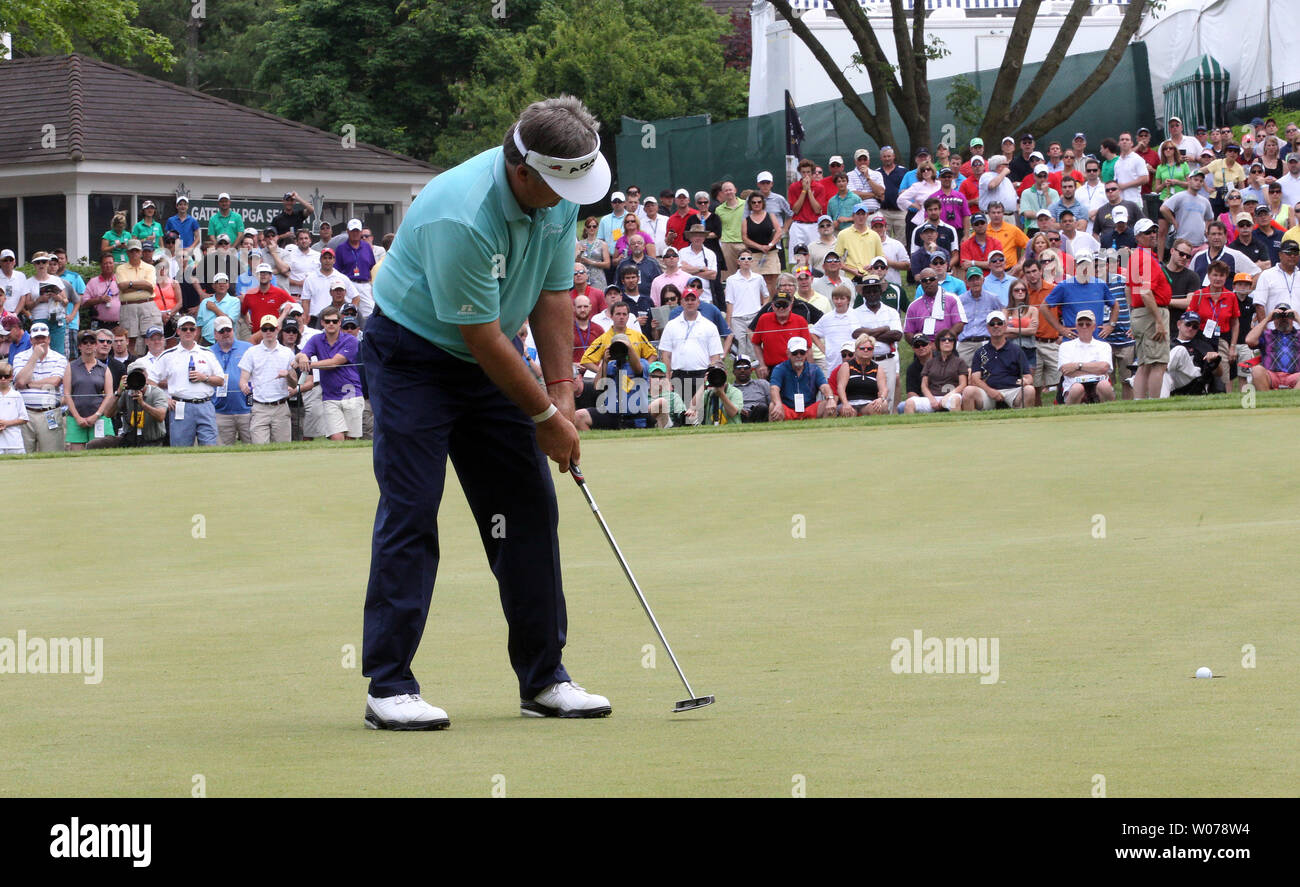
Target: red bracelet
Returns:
[[557, 382]]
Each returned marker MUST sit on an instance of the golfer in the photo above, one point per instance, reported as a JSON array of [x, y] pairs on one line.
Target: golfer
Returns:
[[487, 245]]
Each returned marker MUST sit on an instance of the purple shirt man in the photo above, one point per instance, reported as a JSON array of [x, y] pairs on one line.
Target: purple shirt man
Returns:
[[923, 307], [336, 383], [356, 262]]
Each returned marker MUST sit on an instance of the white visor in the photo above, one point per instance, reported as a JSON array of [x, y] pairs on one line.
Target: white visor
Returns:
[[579, 180]]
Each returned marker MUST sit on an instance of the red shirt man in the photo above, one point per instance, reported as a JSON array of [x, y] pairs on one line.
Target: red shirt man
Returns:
[[266, 299], [806, 212], [774, 329], [582, 288], [1145, 273], [681, 219], [970, 186], [1221, 307]]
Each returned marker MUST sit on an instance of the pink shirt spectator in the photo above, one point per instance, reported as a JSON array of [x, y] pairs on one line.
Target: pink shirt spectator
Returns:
[[110, 311]]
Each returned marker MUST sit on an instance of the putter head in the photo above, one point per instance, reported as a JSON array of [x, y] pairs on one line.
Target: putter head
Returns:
[[692, 704]]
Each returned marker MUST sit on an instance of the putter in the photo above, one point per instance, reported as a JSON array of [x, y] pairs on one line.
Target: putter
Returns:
[[686, 704]]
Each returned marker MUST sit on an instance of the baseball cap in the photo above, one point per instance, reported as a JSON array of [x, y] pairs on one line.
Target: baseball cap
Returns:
[[263, 267], [1191, 317], [578, 180], [1243, 278], [223, 196], [1119, 214], [146, 204], [1085, 314], [1036, 155], [340, 285], [835, 158], [1245, 217], [824, 218], [920, 339], [877, 218], [270, 319], [7, 254], [849, 346], [764, 176], [926, 228], [977, 141], [671, 249], [1177, 120], [295, 310], [862, 207], [39, 329], [1043, 212], [977, 161], [996, 315], [613, 288], [133, 244], [923, 150], [185, 320], [618, 195], [355, 224], [742, 360], [348, 320], [974, 271], [288, 195], [946, 171], [861, 152], [796, 343], [327, 250], [223, 237], [997, 252], [1143, 129], [1289, 246], [1041, 169], [1027, 137], [1084, 257], [9, 321], [682, 192], [1079, 135], [1143, 226], [658, 366], [290, 326], [223, 323], [220, 277], [940, 253], [1200, 127], [650, 198], [879, 261], [979, 219]]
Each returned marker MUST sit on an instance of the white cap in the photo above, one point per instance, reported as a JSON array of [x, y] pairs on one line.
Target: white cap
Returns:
[[835, 158], [182, 319], [650, 198], [222, 323], [1043, 212], [850, 345], [7, 254], [1143, 226], [1038, 154], [355, 225], [995, 315], [796, 343], [147, 204], [682, 192], [252, 231], [40, 329], [223, 196], [1119, 214], [764, 176], [1042, 167], [265, 267], [578, 180], [618, 195], [221, 276]]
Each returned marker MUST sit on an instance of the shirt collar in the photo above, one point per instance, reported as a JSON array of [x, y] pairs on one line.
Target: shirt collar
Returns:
[[510, 207]]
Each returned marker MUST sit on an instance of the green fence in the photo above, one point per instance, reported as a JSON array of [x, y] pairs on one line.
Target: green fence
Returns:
[[692, 153]]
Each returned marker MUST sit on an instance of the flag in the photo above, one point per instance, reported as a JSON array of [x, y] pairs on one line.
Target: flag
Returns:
[[794, 134]]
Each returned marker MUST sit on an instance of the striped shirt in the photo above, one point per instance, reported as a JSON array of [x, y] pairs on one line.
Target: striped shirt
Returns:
[[52, 366]]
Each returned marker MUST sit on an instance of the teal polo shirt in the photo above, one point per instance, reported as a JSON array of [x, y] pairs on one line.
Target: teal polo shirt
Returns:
[[466, 253]]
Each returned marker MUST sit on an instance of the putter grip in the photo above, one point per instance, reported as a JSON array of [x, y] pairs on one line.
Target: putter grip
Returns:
[[576, 471]]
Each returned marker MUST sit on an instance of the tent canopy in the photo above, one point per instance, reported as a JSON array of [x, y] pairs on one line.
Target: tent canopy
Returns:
[[1197, 92]]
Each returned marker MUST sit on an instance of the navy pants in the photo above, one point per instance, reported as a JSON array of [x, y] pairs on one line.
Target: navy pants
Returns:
[[428, 405]]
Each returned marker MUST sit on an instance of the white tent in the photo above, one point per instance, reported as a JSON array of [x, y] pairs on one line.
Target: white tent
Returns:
[[1247, 37]]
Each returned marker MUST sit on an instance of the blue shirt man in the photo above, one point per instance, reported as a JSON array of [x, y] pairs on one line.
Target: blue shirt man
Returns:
[[235, 402], [977, 303], [485, 246], [1072, 296], [228, 303], [186, 228]]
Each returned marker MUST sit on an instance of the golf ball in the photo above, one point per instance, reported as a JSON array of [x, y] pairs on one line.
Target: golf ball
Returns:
[[1204, 672]]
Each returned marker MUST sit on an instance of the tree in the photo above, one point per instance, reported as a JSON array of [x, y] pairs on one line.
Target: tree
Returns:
[[909, 90], [43, 27], [646, 58]]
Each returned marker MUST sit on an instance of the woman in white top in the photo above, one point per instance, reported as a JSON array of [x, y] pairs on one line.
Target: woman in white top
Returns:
[[927, 182], [593, 252], [13, 413]]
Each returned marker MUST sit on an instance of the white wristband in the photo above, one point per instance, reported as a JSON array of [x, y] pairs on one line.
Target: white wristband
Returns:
[[545, 414]]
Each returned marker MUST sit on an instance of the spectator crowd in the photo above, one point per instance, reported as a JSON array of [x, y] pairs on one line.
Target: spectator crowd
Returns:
[[1136, 269]]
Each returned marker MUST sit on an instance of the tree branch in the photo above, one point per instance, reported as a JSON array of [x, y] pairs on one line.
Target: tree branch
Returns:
[[1062, 110], [1009, 72], [1024, 105], [876, 124]]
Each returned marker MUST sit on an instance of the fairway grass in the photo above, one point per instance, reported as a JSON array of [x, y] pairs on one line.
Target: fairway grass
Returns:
[[1109, 556]]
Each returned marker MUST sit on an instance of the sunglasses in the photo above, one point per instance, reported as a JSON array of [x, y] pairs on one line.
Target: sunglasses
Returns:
[[1108, 190], [746, 259], [948, 339], [1184, 253], [997, 323], [929, 280], [329, 320]]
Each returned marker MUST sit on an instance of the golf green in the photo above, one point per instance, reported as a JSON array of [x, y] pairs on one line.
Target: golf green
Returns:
[[1104, 557]]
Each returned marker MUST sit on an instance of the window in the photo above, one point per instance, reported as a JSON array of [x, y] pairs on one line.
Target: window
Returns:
[[101, 210], [378, 217], [44, 222], [9, 225]]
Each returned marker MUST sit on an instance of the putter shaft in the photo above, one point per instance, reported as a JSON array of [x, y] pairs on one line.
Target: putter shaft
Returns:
[[582, 483]]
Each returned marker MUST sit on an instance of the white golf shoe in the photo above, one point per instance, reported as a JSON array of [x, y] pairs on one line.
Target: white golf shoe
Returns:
[[405, 712], [565, 700]]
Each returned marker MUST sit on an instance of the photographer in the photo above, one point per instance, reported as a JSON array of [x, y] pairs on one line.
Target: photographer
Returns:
[[756, 393], [617, 354], [1194, 360], [142, 413], [719, 403], [1279, 364]]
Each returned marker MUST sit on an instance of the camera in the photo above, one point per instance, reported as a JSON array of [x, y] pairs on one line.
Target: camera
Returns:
[[618, 351], [716, 377], [136, 380]]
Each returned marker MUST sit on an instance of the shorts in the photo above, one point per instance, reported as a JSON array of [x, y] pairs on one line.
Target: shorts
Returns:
[[1047, 369], [950, 402], [1147, 349], [1283, 380], [344, 417], [1122, 358], [809, 413], [73, 433], [1012, 397], [770, 263], [139, 316]]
